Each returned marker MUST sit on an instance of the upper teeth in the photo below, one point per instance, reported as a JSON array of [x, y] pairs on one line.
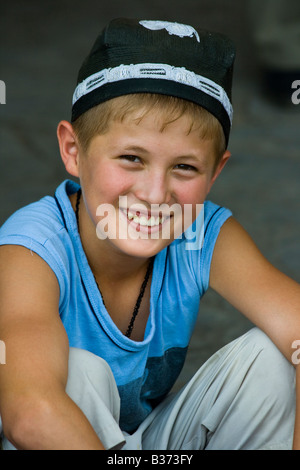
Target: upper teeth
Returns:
[[150, 222]]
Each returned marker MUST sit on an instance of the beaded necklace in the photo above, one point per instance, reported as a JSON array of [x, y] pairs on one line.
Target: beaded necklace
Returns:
[[144, 283]]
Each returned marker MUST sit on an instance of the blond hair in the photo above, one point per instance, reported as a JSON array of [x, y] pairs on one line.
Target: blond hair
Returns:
[[96, 121]]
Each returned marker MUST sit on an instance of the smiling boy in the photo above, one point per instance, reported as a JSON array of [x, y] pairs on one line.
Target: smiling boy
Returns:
[[155, 171], [99, 304]]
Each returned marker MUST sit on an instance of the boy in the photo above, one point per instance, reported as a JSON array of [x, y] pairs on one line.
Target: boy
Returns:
[[101, 284]]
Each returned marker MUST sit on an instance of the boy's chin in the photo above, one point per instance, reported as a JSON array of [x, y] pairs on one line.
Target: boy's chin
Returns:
[[141, 248]]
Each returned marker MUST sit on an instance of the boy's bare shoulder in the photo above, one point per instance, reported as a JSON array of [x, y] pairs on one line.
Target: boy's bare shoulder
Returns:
[[29, 293], [23, 273], [245, 278], [235, 256]]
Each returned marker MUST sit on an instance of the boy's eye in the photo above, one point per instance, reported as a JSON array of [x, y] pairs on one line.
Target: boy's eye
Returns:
[[185, 167], [130, 158]]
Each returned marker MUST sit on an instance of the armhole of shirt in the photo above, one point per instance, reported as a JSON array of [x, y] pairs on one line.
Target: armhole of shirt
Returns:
[[212, 229]]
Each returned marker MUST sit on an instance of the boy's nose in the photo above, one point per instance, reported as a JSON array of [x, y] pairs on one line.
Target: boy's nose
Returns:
[[153, 189]]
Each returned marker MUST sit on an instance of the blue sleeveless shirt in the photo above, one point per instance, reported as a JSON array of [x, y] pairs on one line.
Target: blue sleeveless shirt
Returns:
[[144, 371]]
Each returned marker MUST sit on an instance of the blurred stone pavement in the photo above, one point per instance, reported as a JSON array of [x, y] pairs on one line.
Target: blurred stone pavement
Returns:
[[42, 44]]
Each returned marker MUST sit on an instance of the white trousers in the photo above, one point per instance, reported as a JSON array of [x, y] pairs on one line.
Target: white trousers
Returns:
[[243, 397]]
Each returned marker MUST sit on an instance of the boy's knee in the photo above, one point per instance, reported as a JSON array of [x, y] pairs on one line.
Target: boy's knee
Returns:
[[268, 353], [87, 362], [87, 368], [274, 374], [91, 385]]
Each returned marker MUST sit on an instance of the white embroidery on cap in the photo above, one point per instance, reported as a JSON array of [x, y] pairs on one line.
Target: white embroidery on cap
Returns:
[[154, 71], [178, 29]]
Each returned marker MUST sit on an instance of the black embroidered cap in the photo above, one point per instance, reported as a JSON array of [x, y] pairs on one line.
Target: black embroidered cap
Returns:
[[142, 56]]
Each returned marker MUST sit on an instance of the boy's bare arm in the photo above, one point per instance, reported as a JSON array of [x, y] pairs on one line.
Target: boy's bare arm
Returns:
[[243, 276], [35, 410], [269, 298]]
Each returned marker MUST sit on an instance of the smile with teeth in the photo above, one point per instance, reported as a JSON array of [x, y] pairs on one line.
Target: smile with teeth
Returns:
[[149, 221]]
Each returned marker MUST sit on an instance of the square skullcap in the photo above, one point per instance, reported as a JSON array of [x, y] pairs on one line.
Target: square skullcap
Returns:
[[142, 56]]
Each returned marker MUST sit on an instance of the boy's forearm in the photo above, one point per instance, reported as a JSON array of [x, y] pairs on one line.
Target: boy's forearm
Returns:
[[59, 425]]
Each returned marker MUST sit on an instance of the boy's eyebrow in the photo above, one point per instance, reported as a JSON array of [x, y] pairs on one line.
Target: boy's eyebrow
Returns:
[[187, 157], [138, 149]]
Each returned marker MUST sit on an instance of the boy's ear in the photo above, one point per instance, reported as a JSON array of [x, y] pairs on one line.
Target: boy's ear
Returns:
[[220, 167], [69, 149]]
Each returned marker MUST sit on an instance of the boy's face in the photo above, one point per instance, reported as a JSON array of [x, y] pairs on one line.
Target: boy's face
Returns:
[[132, 175]]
